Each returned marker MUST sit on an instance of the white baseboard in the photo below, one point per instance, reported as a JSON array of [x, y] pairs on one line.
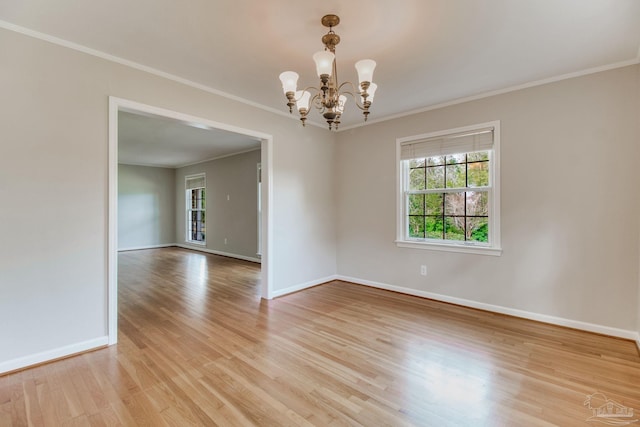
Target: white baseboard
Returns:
[[212, 251], [138, 248], [57, 353], [544, 318], [296, 288]]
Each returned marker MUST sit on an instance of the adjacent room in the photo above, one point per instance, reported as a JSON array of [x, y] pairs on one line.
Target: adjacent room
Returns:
[[347, 213], [167, 172]]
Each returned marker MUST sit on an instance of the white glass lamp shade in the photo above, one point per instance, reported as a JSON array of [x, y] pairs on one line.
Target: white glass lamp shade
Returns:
[[289, 81], [303, 97], [324, 62], [371, 91], [342, 100], [365, 69]]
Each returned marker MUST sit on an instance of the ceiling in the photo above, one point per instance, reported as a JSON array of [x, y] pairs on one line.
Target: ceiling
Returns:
[[429, 52], [150, 140]]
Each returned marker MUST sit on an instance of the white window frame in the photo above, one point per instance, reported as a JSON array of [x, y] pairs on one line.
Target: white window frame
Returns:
[[494, 245], [187, 194]]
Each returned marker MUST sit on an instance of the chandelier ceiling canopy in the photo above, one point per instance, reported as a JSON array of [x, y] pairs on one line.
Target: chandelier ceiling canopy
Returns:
[[331, 97]]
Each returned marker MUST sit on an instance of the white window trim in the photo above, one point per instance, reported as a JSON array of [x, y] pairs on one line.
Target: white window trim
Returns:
[[259, 179], [494, 248], [196, 242], [188, 209]]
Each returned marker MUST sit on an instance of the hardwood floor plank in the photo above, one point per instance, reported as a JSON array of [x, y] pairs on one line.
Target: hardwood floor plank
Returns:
[[198, 347], [79, 421], [32, 404], [105, 418], [5, 414]]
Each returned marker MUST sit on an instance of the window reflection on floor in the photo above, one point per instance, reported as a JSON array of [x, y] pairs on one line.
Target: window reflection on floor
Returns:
[[453, 380], [197, 277]]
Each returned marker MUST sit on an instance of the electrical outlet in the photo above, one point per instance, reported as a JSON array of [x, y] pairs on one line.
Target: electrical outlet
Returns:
[[423, 270], [225, 240]]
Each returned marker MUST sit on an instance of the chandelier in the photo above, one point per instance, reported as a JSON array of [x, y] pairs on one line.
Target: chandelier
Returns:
[[330, 99]]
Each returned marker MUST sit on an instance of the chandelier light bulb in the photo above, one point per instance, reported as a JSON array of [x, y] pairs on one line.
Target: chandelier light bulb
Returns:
[[324, 62], [342, 100], [365, 69], [370, 91], [303, 98], [289, 81]]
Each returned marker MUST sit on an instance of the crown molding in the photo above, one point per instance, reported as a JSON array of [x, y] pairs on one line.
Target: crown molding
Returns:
[[140, 67], [135, 65], [499, 92], [224, 156]]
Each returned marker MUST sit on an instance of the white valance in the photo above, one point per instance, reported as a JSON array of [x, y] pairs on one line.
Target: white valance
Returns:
[[465, 142], [195, 181]]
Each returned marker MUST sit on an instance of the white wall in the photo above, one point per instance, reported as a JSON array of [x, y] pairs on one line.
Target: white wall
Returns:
[[570, 203], [146, 206], [54, 127], [235, 218]]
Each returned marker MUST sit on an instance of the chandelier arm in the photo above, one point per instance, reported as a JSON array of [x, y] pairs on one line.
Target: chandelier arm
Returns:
[[307, 89], [355, 94], [355, 99], [314, 88], [353, 88], [316, 101], [315, 98]]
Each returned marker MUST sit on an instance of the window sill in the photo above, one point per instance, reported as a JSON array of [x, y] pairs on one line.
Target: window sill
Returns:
[[462, 248], [190, 242]]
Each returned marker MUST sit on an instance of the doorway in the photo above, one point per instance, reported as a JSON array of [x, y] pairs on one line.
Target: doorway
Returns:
[[118, 105]]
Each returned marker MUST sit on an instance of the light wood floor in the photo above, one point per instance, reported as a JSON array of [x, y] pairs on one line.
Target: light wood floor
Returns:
[[197, 346]]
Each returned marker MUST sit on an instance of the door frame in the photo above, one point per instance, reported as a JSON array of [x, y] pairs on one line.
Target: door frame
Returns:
[[119, 104]]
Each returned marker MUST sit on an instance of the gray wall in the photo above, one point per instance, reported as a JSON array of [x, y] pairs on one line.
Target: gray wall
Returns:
[[54, 127], [570, 203], [151, 205], [569, 151], [146, 206], [235, 219]]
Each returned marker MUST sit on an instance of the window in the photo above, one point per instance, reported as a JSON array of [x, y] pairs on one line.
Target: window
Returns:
[[196, 204], [448, 190]]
